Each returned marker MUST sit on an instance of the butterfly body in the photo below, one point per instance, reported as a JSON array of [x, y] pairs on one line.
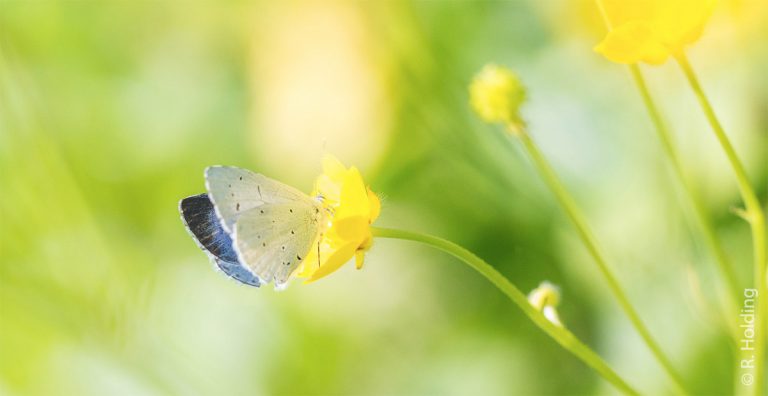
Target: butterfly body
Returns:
[[256, 230]]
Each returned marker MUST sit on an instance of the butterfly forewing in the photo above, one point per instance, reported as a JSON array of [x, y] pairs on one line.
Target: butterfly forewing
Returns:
[[235, 191]]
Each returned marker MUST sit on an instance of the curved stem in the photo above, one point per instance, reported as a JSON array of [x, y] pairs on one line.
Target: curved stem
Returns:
[[754, 214], [700, 212], [573, 212], [563, 337]]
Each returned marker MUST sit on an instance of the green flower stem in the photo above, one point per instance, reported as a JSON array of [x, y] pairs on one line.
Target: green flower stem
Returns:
[[558, 333], [754, 214], [569, 205], [700, 212]]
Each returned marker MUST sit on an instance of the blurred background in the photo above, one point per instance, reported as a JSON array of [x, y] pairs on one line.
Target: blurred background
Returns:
[[110, 112]]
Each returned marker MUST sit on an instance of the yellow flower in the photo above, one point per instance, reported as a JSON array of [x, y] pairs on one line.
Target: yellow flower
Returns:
[[496, 95], [545, 299], [651, 30], [352, 208]]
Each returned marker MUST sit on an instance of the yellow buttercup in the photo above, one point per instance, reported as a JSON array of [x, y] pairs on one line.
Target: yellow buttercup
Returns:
[[353, 207], [651, 30]]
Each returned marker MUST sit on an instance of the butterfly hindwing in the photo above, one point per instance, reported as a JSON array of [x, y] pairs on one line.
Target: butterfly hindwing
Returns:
[[273, 239], [234, 270], [201, 221]]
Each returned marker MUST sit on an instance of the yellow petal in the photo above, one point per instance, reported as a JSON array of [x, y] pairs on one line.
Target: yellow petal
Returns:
[[619, 12], [335, 261], [354, 196], [333, 168], [633, 42], [329, 184], [328, 189], [681, 22], [375, 206], [354, 228]]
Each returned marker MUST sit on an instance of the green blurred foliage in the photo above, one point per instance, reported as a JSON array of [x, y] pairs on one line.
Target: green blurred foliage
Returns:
[[110, 112]]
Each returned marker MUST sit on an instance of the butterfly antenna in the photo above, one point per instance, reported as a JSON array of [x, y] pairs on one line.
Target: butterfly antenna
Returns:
[[318, 254]]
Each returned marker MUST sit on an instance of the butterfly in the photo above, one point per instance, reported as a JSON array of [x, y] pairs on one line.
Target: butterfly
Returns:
[[255, 229]]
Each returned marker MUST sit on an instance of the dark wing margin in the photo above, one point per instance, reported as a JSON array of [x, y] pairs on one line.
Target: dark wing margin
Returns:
[[200, 218]]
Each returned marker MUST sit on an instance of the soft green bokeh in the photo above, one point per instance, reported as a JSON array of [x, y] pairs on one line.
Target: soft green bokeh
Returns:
[[110, 112]]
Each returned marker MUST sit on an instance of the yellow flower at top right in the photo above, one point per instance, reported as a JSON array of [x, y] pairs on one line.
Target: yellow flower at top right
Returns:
[[651, 30]]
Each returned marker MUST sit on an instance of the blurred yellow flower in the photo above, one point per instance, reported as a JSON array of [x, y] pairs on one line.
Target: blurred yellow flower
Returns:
[[352, 208], [651, 30], [496, 95], [546, 298]]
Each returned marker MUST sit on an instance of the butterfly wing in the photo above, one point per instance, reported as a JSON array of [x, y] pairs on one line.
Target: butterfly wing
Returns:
[[273, 239], [199, 217], [235, 191]]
